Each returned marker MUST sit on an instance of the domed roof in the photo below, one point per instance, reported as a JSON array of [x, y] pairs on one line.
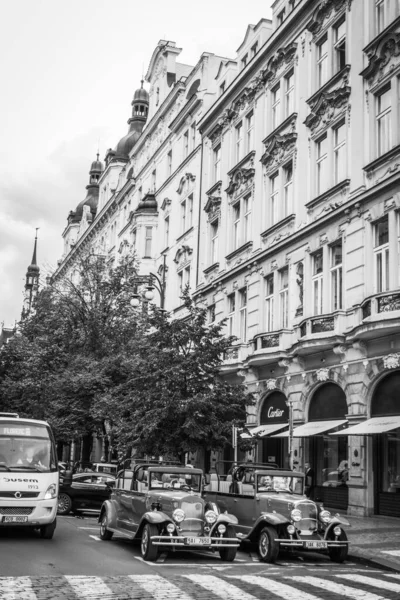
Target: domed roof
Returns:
[[126, 144], [141, 95], [147, 204], [97, 165], [91, 200]]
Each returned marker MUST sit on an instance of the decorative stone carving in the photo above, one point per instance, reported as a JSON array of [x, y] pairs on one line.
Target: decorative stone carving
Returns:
[[271, 384], [212, 207], [382, 55], [282, 57], [391, 361], [166, 202], [322, 375], [323, 12], [325, 107], [278, 149], [240, 178], [300, 286], [183, 255], [224, 120], [185, 181]]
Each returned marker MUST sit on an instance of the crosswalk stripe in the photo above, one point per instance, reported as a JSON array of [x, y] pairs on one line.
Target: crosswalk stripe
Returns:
[[220, 588], [393, 575], [86, 586], [159, 588], [287, 592], [384, 585], [16, 588], [337, 588]]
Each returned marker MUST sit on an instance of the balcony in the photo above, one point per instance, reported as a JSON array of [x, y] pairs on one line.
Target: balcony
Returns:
[[378, 313], [271, 346], [320, 332]]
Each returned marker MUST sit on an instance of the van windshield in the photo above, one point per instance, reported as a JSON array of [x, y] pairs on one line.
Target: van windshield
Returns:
[[26, 448]]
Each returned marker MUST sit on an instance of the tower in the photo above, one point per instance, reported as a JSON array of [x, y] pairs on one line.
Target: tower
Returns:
[[31, 283]]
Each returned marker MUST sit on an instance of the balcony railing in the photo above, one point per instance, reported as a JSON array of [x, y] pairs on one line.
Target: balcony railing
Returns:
[[318, 324], [386, 302]]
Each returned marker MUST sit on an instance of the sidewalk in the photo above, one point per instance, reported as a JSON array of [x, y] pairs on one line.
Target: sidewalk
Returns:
[[376, 539]]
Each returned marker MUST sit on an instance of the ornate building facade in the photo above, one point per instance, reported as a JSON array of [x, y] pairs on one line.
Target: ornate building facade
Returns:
[[270, 183]]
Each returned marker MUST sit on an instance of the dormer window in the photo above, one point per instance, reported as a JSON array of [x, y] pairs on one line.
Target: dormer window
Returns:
[[222, 88], [254, 49], [244, 61], [281, 17]]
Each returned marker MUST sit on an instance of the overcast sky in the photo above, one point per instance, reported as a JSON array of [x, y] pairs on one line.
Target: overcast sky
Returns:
[[68, 73]]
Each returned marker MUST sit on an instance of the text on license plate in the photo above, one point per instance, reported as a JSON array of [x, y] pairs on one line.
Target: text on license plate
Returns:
[[17, 519], [198, 541], [316, 545]]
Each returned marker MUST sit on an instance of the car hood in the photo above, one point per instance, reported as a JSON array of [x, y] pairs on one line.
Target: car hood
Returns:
[[190, 503]]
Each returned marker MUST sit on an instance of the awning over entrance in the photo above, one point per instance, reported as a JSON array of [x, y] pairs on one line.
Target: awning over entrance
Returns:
[[314, 428], [264, 430], [371, 426]]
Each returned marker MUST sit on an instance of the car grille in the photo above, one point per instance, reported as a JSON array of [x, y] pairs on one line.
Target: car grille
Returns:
[[308, 523], [16, 510], [23, 495], [194, 517]]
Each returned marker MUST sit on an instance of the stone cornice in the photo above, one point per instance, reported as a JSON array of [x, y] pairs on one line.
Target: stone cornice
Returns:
[[283, 56], [326, 195], [211, 268], [290, 121], [214, 188], [381, 160], [382, 49], [212, 204], [238, 251], [241, 163], [280, 225], [326, 100], [278, 148]]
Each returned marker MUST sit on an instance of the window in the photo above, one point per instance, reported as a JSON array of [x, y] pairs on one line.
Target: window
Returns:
[[317, 282], [249, 131], [185, 144], [147, 242], [211, 313], [244, 61], [339, 152], [166, 232], [383, 121], [214, 241], [289, 94], [292, 4], [217, 163], [222, 88], [169, 163], [254, 49], [284, 297], [281, 17], [339, 40], [184, 278], [336, 277], [239, 141], [247, 218], [231, 313], [382, 14], [381, 252], [322, 164], [193, 136], [236, 225], [288, 189], [322, 61], [133, 240], [274, 197], [276, 104], [243, 314], [187, 213], [269, 302], [154, 180]]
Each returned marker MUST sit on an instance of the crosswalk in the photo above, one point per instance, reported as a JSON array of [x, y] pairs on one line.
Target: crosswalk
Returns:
[[360, 585]]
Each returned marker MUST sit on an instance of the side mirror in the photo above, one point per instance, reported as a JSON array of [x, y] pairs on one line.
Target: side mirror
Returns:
[[67, 477]]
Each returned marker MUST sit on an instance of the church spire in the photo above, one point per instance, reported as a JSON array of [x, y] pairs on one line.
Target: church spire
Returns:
[[31, 282]]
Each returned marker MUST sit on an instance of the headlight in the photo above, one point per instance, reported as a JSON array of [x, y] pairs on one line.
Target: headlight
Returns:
[[291, 529], [210, 516], [51, 492], [178, 515], [325, 516], [337, 530], [170, 528], [295, 514], [221, 528]]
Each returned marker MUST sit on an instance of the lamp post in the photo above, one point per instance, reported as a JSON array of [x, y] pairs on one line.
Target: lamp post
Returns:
[[151, 281], [289, 403]]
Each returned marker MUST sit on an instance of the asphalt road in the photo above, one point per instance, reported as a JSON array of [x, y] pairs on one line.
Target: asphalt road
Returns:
[[76, 564]]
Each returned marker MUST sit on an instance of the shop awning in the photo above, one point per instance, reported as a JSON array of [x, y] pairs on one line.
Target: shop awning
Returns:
[[313, 428], [371, 426], [264, 430]]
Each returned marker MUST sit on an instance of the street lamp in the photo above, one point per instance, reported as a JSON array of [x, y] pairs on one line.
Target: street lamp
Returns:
[[289, 403], [152, 282]]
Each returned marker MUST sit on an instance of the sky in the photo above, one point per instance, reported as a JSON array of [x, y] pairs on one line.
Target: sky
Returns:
[[68, 71]]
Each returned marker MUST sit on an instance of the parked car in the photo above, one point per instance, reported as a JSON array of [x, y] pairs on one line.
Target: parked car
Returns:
[[162, 507], [273, 512], [84, 490]]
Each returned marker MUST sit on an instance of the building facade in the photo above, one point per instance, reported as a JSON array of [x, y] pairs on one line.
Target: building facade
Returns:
[[270, 184]]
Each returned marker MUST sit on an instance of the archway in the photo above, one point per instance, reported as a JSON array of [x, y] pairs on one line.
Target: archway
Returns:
[[274, 412]]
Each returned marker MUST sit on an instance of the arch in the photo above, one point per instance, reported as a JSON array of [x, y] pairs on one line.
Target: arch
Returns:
[[193, 89], [328, 402], [274, 409], [385, 395]]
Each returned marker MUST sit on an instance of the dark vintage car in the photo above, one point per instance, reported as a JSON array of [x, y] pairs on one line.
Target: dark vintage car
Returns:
[[273, 512], [83, 491], [162, 507]]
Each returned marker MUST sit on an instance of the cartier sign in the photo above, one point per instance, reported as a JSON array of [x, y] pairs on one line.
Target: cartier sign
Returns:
[[274, 409], [274, 412]]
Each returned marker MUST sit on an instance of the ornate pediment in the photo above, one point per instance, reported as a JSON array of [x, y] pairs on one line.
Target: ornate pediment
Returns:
[[282, 58], [325, 107], [185, 182], [240, 179], [322, 14], [224, 120], [165, 203], [183, 255], [382, 55], [278, 149], [213, 205]]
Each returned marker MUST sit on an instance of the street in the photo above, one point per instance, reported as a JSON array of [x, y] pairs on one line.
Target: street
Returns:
[[76, 564]]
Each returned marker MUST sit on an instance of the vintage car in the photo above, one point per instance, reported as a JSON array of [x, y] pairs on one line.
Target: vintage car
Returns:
[[273, 512], [162, 507]]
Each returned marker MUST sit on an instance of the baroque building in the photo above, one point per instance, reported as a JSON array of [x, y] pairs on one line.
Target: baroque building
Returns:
[[270, 183]]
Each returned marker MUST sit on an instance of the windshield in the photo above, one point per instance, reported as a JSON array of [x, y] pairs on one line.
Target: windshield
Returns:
[[179, 481], [25, 447], [275, 483]]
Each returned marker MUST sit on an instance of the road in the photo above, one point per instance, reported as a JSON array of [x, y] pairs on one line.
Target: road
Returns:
[[76, 564]]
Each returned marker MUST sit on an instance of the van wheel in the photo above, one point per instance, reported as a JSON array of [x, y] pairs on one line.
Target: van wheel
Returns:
[[105, 534], [64, 504], [228, 554], [148, 549], [268, 548], [339, 554], [47, 531]]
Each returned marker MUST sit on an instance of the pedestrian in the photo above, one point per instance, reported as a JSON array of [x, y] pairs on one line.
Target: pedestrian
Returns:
[[309, 481]]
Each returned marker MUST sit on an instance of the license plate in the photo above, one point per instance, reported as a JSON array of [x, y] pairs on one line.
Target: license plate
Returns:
[[316, 545], [18, 519], [198, 541]]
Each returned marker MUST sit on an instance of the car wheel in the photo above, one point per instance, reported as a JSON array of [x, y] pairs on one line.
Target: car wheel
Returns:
[[228, 553], [268, 548], [340, 553], [148, 549], [64, 504], [105, 534], [47, 531]]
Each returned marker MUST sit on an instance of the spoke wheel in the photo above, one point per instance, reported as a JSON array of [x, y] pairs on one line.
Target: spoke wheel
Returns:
[[105, 534], [268, 548], [148, 549], [339, 554], [64, 504], [228, 554], [47, 531]]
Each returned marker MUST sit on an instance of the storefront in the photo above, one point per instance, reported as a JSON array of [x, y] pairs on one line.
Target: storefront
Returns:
[[274, 417]]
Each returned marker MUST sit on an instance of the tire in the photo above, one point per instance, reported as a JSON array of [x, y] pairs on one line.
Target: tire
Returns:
[[64, 504], [105, 534], [268, 548], [148, 549], [339, 554], [47, 531], [228, 554]]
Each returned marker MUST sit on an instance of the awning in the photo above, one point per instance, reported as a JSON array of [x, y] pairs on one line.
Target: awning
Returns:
[[313, 428], [264, 430], [371, 426]]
